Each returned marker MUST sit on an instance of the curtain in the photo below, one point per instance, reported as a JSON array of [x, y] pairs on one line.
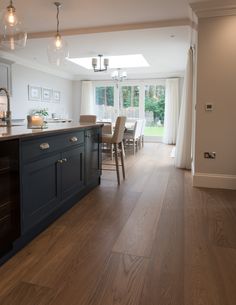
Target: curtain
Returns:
[[172, 106], [87, 98], [184, 136]]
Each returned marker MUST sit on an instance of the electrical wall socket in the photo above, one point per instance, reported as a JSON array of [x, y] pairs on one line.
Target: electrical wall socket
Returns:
[[209, 155], [209, 107]]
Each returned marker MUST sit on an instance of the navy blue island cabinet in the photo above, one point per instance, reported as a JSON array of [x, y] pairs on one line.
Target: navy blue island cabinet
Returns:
[[55, 172]]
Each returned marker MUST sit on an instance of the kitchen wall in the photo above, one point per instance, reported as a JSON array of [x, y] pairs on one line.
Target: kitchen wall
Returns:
[[24, 76], [216, 84], [77, 99]]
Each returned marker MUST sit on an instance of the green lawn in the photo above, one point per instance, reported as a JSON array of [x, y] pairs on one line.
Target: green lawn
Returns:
[[154, 131]]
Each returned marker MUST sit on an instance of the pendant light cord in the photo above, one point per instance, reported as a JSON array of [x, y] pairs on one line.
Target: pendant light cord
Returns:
[[58, 5], [58, 22]]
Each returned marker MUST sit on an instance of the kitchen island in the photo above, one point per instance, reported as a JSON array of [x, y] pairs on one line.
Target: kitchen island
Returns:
[[43, 172]]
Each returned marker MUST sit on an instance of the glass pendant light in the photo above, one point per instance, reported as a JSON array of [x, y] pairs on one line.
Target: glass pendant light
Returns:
[[58, 48], [12, 36]]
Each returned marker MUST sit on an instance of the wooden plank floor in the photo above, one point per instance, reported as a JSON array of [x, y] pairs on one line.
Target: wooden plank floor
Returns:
[[154, 240]]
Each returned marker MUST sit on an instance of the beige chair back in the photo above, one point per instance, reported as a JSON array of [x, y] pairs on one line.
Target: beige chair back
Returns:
[[88, 118], [119, 130], [107, 128], [138, 129], [143, 127]]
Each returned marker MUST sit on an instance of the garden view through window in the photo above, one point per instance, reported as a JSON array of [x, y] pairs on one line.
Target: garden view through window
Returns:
[[134, 102], [154, 110], [104, 103], [130, 101]]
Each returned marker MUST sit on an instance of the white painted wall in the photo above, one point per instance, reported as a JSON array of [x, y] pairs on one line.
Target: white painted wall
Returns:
[[77, 99], [216, 83], [24, 76]]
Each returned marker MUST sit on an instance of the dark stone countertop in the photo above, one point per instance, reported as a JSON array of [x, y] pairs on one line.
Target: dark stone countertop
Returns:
[[19, 132]]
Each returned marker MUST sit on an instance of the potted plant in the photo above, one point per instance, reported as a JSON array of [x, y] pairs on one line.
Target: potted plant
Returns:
[[37, 118], [41, 112]]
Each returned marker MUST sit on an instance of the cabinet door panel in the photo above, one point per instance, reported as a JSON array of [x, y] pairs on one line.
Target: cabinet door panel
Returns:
[[41, 190], [9, 194], [72, 171], [92, 155]]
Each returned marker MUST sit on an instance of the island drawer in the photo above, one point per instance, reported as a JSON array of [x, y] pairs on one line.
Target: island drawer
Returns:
[[33, 149], [74, 138]]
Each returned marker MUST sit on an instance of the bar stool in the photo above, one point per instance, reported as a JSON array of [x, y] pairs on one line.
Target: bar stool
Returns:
[[107, 129], [88, 118], [116, 140]]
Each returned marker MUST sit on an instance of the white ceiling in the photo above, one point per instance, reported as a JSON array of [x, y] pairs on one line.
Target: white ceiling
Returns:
[[165, 54], [38, 15]]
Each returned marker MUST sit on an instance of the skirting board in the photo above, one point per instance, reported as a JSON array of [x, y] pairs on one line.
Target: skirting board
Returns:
[[214, 181]]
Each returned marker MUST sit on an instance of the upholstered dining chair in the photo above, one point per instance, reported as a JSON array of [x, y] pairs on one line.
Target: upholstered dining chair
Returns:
[[142, 133], [134, 136], [116, 140], [88, 118]]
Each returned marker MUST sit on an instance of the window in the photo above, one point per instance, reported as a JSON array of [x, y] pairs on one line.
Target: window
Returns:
[[154, 110], [130, 96], [133, 99], [129, 104], [104, 103], [105, 96]]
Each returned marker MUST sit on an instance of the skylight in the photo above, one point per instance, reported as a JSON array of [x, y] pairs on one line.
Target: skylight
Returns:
[[121, 61]]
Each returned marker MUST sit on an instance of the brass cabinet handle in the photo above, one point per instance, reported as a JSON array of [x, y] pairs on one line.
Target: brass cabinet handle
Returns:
[[60, 161], [73, 139], [44, 146]]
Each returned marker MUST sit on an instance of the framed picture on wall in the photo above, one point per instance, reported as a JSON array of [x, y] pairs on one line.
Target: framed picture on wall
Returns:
[[34, 93], [46, 95], [56, 96]]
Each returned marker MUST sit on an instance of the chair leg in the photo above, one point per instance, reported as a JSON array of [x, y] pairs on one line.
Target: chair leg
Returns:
[[111, 146], [123, 148], [122, 159], [134, 144], [117, 163]]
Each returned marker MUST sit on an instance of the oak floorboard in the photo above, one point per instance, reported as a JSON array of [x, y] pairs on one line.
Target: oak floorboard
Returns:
[[23, 262], [78, 275], [226, 259], [83, 237], [222, 218], [164, 282], [203, 281], [121, 282], [189, 244], [138, 234], [27, 294]]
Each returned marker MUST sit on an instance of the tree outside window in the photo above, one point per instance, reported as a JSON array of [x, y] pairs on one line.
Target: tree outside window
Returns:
[[155, 102], [130, 96], [105, 96]]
